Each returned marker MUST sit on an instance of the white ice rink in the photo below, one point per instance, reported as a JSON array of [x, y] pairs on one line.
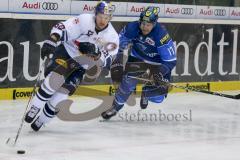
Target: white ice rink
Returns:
[[210, 131]]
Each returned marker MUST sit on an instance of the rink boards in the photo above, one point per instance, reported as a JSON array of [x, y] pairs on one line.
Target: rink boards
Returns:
[[207, 47], [108, 90]]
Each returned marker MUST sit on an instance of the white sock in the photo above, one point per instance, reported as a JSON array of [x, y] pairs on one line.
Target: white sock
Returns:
[[49, 110]]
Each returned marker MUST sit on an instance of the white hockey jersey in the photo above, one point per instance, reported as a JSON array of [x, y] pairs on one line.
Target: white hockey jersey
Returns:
[[82, 29]]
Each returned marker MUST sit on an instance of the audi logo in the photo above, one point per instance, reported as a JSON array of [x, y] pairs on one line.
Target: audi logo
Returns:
[[50, 6], [187, 11], [220, 12]]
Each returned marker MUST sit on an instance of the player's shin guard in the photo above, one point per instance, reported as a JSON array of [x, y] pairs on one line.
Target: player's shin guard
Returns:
[[125, 89], [49, 111], [38, 101], [52, 82]]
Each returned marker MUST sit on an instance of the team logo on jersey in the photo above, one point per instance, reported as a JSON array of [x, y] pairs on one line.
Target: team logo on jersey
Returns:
[[165, 39], [150, 41], [90, 33], [151, 54], [110, 46]]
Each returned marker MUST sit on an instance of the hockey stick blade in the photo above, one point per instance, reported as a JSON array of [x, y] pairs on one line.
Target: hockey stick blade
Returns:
[[10, 142], [25, 111], [237, 96], [7, 142]]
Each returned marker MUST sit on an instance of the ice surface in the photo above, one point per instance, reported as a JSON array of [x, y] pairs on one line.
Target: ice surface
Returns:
[[210, 130]]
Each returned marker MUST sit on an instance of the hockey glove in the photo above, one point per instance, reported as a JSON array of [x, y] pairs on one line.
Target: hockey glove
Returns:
[[159, 73], [49, 46], [159, 80], [90, 50], [117, 69]]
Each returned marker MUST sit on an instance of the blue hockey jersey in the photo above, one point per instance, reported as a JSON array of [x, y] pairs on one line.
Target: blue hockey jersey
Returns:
[[155, 48]]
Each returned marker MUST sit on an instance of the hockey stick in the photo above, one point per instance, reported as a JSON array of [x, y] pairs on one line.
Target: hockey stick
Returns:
[[13, 142], [190, 88], [142, 53]]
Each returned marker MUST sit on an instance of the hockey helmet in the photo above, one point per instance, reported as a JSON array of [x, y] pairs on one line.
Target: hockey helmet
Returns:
[[150, 15], [104, 8]]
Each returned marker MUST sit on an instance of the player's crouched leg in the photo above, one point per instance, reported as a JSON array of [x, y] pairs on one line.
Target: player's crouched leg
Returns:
[[55, 72], [155, 99], [153, 94], [51, 107], [49, 111], [124, 91]]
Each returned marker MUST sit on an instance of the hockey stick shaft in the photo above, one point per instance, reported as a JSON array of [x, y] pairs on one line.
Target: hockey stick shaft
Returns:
[[186, 88], [191, 88], [33, 93]]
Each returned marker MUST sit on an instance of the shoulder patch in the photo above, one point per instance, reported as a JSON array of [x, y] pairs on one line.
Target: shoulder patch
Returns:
[[165, 39]]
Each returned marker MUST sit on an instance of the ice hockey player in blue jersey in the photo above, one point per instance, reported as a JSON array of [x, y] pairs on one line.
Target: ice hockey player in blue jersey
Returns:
[[152, 49]]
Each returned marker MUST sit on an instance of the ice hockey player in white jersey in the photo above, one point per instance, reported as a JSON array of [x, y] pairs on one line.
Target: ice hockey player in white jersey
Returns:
[[86, 41]]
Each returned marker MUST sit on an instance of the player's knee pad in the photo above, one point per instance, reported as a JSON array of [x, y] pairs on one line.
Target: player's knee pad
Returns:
[[53, 81], [74, 80]]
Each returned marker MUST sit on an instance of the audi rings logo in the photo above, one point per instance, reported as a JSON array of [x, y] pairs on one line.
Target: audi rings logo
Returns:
[[187, 11], [50, 6], [220, 12]]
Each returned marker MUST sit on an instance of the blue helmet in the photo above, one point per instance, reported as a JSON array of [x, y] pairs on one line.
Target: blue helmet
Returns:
[[104, 8], [150, 14]]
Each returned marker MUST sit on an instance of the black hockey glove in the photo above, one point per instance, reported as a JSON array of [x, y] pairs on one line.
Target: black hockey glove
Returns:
[[117, 69], [158, 73], [89, 49], [159, 80], [49, 47]]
